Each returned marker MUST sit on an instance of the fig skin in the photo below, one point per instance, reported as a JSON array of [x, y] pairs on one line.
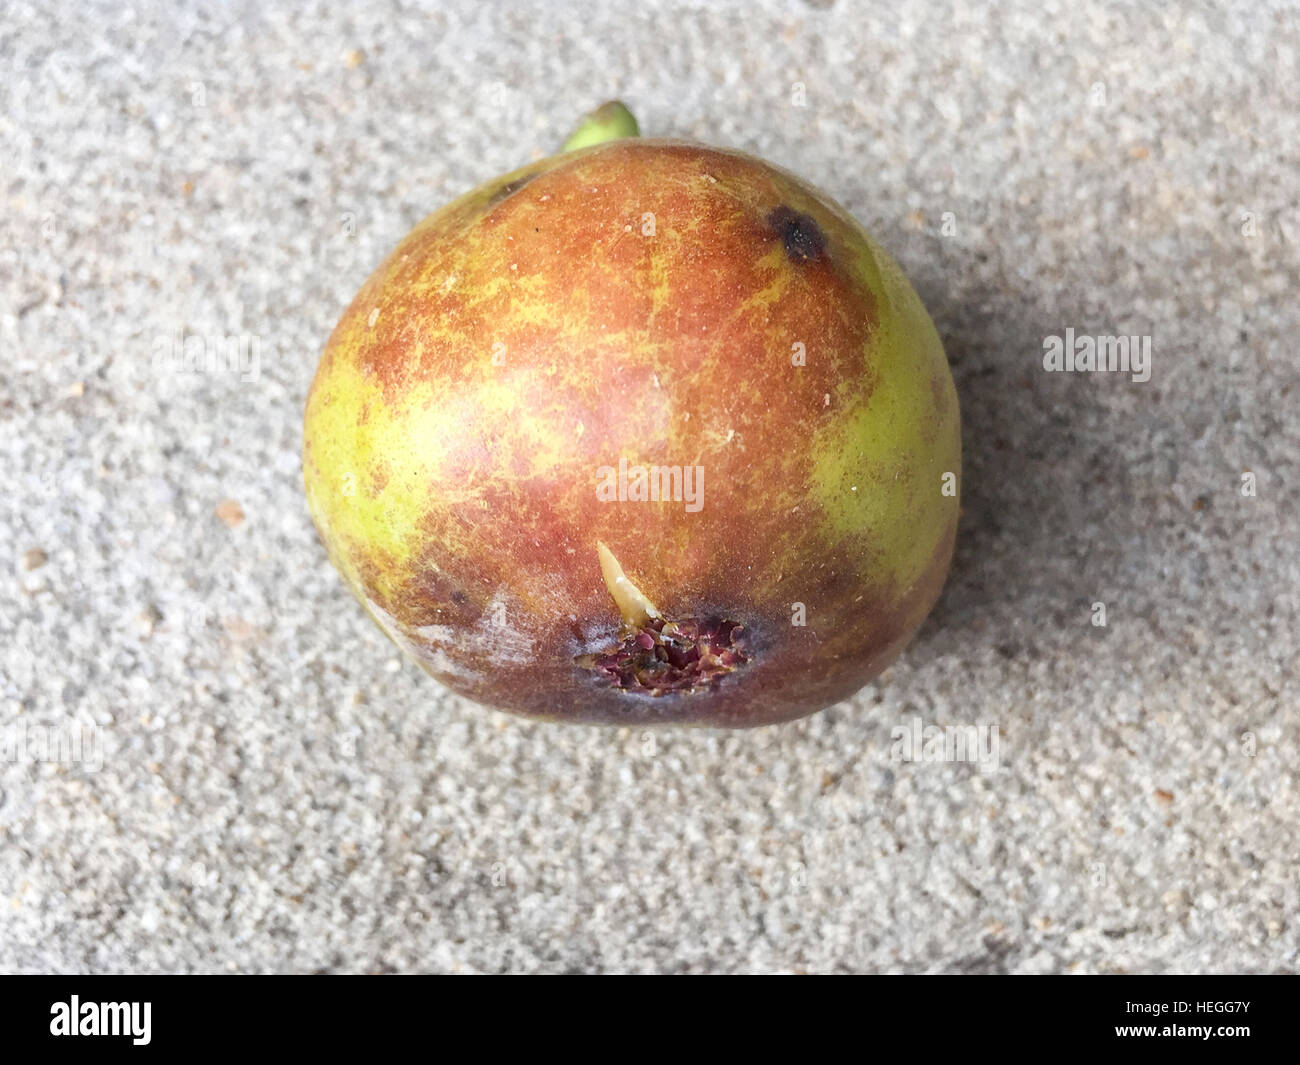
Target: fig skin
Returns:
[[647, 300]]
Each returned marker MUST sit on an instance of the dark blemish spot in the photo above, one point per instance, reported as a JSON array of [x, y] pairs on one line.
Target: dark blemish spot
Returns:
[[799, 233], [509, 189], [459, 598]]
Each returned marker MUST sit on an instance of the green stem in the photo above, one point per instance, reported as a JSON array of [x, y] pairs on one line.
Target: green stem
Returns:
[[609, 122]]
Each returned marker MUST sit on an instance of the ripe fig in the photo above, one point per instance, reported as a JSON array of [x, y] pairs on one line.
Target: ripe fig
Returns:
[[646, 431]]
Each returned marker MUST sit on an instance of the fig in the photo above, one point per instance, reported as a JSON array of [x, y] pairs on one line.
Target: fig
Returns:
[[643, 432]]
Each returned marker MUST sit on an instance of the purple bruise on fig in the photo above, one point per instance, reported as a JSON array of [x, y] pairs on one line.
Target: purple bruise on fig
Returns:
[[666, 656]]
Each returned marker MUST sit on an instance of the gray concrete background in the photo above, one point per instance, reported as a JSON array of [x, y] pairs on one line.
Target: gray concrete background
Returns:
[[275, 791]]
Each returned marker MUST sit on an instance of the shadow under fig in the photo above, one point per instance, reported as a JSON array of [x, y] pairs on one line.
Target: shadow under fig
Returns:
[[1040, 483]]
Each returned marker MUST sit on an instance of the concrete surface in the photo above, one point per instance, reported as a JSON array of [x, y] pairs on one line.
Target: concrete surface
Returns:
[[273, 790]]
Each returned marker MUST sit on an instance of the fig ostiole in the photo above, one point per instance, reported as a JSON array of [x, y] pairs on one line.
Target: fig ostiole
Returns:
[[647, 431]]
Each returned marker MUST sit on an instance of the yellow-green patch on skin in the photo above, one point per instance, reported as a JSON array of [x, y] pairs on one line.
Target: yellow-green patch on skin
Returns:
[[350, 455], [888, 457]]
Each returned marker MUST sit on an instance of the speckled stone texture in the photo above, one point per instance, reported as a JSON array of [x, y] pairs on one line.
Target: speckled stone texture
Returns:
[[274, 790]]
